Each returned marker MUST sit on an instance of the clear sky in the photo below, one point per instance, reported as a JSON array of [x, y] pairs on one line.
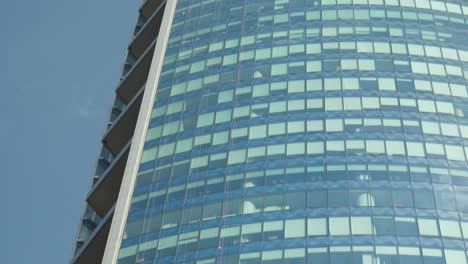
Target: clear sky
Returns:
[[63, 60]]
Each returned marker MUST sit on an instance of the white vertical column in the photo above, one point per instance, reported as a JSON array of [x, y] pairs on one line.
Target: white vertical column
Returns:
[[128, 182]]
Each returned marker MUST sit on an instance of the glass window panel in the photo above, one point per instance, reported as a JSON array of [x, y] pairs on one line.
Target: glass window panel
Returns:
[[352, 103], [449, 228], [273, 230], [237, 156], [361, 225], [294, 228], [334, 125], [417, 50], [370, 102], [435, 149], [208, 238], [452, 70], [333, 104], [295, 200], [295, 148], [384, 225], [279, 69], [349, 64], [184, 145], [340, 255], [314, 125], [445, 199], [430, 127], [331, 84], [424, 198], [296, 105], [220, 138], [314, 66], [317, 199], [251, 232], [225, 96], [455, 152], [449, 129], [415, 149], [432, 256], [276, 149], [398, 48], [338, 198], [261, 54], [395, 147], [314, 49], [409, 255], [276, 129], [257, 131], [366, 65], [436, 69], [428, 227], [387, 84], [277, 107], [455, 256], [318, 255], [419, 67], [381, 197], [406, 226], [335, 146], [375, 146], [295, 255], [339, 226], [361, 198], [315, 148]]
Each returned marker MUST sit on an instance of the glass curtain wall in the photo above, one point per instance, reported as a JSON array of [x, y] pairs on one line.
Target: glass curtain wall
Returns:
[[307, 131]]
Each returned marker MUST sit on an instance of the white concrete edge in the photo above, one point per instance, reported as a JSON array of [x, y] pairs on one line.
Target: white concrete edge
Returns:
[[128, 182]]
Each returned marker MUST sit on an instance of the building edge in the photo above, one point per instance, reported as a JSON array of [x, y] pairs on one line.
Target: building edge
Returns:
[[112, 248], [99, 151]]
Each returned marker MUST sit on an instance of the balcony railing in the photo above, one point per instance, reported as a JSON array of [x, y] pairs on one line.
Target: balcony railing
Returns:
[[92, 248], [149, 7], [136, 77], [121, 130], [104, 193], [140, 23], [147, 33]]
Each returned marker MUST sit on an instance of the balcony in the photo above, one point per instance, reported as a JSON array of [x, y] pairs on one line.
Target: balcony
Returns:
[[121, 130], [117, 109], [105, 192], [148, 33], [92, 250], [88, 225], [141, 21], [130, 61], [136, 77], [149, 7], [105, 159]]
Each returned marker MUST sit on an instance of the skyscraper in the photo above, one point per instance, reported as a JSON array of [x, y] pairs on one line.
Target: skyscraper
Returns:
[[276, 131]]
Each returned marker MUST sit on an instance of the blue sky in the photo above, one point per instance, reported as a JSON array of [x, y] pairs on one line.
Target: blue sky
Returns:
[[63, 60]]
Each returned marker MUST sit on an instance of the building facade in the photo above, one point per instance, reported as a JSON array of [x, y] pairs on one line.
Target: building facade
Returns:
[[300, 131]]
